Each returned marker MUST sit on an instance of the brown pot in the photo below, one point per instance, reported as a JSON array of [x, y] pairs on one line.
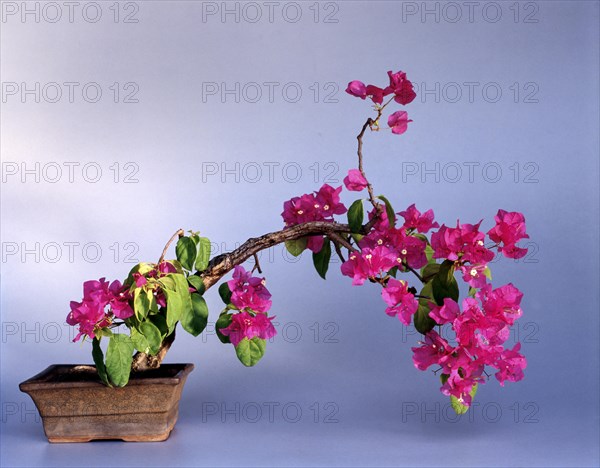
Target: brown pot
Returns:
[[76, 407]]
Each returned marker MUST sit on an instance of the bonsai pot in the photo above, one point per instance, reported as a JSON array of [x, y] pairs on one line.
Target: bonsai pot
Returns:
[[76, 407]]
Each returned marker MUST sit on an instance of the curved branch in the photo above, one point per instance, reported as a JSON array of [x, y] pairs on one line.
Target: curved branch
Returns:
[[220, 265]]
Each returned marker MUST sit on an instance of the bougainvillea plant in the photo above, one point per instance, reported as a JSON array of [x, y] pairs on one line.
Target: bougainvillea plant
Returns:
[[382, 248]]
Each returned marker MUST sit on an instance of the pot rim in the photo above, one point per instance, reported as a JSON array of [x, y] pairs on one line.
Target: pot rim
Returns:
[[41, 381]]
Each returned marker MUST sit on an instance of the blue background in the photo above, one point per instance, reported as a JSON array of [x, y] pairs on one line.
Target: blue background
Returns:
[[338, 359]]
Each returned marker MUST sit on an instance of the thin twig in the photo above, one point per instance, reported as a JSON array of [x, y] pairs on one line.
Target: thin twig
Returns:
[[256, 265], [405, 265], [334, 236], [338, 250], [179, 233]]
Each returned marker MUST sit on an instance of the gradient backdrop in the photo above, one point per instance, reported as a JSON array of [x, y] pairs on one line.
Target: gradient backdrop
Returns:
[[122, 122]]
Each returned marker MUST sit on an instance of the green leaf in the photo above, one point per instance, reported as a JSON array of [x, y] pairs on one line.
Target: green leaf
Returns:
[[142, 302], [355, 216], [99, 361], [153, 335], [389, 210], [203, 254], [488, 273], [118, 359], [197, 283], [296, 247], [140, 342], [457, 406], [429, 254], [249, 352], [429, 271], [321, 259], [178, 300], [223, 322], [186, 252], [472, 291], [225, 293], [444, 283], [195, 319], [160, 322], [423, 322]]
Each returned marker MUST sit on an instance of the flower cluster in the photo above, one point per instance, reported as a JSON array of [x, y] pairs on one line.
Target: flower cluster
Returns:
[[403, 93], [250, 296], [386, 247], [318, 206], [102, 301], [481, 329]]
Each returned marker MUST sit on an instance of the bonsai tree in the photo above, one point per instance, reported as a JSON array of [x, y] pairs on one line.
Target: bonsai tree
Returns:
[[385, 247]]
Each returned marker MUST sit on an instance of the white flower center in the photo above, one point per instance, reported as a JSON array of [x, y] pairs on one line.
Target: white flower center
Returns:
[[379, 242], [399, 260], [300, 212], [317, 206], [368, 256], [403, 252], [326, 207], [263, 282], [473, 272], [479, 242]]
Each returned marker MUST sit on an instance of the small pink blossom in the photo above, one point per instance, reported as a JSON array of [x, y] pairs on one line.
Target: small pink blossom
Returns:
[[401, 87], [446, 313], [398, 122], [402, 303], [248, 292], [245, 325], [355, 181], [368, 263], [413, 219], [434, 350], [357, 88], [509, 229]]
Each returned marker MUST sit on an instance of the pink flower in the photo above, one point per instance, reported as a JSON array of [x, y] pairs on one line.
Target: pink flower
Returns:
[[248, 292], [398, 122], [368, 263], [355, 181], [166, 268], [357, 88], [435, 350], [402, 303], [510, 365], [139, 280], [320, 206], [245, 325], [92, 312], [375, 93], [474, 275], [503, 302], [413, 219], [328, 202], [446, 313], [401, 87], [464, 243], [510, 229]]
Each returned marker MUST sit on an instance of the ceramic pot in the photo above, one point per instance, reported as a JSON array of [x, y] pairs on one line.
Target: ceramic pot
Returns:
[[76, 407]]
